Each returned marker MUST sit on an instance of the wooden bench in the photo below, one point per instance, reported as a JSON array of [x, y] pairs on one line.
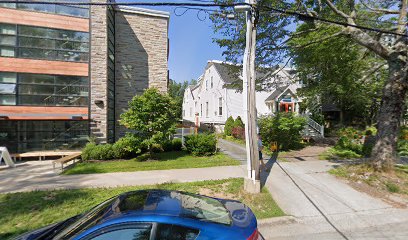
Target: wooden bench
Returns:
[[66, 159], [41, 155]]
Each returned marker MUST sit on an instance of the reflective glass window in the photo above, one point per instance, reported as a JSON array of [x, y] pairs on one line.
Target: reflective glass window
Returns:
[[7, 77], [8, 29], [36, 78], [7, 51], [37, 53], [6, 88], [8, 40], [7, 100]]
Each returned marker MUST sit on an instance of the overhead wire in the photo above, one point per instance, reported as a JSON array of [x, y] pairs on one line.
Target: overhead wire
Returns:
[[205, 4], [344, 24]]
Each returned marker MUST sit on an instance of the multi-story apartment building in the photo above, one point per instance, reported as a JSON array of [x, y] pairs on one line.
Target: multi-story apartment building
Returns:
[[68, 71]]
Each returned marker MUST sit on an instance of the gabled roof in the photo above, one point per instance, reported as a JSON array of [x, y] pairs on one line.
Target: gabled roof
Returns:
[[225, 72], [229, 76], [277, 93]]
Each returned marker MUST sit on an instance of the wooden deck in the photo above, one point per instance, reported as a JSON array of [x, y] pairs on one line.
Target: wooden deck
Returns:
[[41, 155]]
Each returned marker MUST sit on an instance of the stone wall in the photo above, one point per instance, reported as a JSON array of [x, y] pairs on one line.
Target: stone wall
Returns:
[[141, 52], [98, 73]]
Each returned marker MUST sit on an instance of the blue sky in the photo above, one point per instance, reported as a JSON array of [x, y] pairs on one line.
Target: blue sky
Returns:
[[191, 44]]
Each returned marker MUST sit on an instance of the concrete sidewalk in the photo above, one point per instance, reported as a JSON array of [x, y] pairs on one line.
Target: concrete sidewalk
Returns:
[[356, 215], [39, 175]]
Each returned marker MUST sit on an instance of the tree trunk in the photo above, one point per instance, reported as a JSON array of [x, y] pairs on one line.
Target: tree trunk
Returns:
[[384, 153]]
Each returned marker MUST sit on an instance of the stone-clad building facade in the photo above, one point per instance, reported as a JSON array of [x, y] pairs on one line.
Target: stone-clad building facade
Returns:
[[68, 72]]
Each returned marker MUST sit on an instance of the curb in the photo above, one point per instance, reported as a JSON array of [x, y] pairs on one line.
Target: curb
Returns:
[[278, 220]]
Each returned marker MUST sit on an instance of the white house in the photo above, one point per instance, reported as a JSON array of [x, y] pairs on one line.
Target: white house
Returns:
[[211, 101]]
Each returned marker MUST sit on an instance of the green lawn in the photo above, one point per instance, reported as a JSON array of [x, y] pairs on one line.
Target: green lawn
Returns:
[[165, 160], [21, 212]]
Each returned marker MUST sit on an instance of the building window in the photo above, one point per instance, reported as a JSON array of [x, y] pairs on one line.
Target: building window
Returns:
[[69, 10], [206, 109], [191, 111], [21, 136], [212, 84], [43, 90], [206, 84], [43, 43], [220, 106], [201, 109]]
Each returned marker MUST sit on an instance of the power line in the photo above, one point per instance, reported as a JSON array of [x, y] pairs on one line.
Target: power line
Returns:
[[153, 4], [203, 4], [307, 17]]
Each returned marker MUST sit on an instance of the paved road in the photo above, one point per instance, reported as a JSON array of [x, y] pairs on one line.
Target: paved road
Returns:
[[39, 175], [355, 214]]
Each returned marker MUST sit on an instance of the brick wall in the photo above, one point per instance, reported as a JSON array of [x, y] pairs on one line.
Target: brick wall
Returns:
[[140, 57], [98, 72]]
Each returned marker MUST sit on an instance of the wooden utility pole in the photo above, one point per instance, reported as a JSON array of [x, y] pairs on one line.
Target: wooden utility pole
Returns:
[[252, 182]]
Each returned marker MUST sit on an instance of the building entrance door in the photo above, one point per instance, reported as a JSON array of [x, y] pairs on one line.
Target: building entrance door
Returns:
[[286, 107]]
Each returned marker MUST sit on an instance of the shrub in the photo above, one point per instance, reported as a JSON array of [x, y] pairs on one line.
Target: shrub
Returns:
[[201, 144], [97, 152], [345, 143], [239, 123], [403, 133], [350, 143], [284, 128], [344, 153], [238, 132], [229, 124], [177, 144], [156, 148], [87, 151], [392, 187], [152, 114], [167, 146], [403, 147], [350, 133], [127, 147]]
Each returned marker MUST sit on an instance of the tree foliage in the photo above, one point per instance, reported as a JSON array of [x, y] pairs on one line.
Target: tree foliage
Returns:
[[229, 124], [339, 71], [176, 91], [391, 15], [284, 128], [152, 116]]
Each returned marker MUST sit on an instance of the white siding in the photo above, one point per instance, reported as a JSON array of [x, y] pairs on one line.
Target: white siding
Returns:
[[210, 88]]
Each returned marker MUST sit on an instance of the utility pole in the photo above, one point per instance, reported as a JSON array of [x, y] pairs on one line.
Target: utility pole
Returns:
[[252, 182]]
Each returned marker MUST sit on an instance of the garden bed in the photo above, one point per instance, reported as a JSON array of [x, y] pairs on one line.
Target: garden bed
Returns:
[[23, 212], [160, 161]]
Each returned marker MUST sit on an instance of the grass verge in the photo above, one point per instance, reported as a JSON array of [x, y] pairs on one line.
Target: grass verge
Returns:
[[23, 212], [162, 161], [392, 182], [337, 154]]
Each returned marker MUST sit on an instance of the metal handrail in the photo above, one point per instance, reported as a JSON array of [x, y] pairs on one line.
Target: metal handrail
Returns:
[[313, 124]]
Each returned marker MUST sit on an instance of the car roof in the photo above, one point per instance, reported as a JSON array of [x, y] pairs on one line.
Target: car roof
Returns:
[[167, 203]]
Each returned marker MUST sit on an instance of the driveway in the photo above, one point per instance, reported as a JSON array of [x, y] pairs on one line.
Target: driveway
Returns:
[[320, 206]]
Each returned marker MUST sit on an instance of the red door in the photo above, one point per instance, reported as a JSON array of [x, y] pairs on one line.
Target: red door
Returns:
[[286, 107]]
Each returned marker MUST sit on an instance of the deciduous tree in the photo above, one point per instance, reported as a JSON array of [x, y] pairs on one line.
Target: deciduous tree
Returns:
[[152, 116]]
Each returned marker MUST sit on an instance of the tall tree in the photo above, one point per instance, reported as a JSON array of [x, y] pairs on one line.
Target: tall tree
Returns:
[[337, 71], [176, 91], [390, 15]]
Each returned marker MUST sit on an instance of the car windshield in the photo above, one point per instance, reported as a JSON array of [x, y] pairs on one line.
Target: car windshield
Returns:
[[189, 206]]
